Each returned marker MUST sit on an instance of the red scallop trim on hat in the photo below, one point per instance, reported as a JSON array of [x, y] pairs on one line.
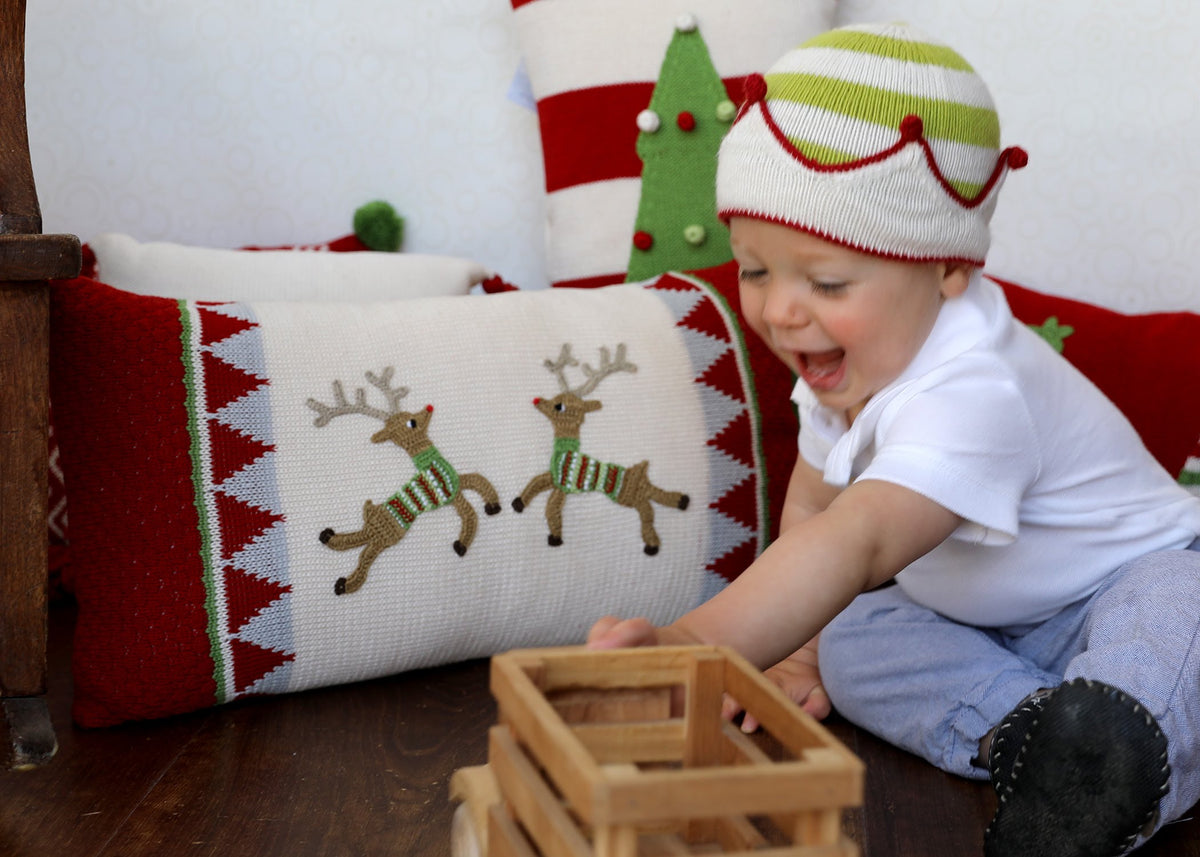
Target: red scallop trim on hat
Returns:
[[912, 130]]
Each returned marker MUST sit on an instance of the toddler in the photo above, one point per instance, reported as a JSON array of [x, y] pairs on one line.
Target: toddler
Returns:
[[1042, 625]]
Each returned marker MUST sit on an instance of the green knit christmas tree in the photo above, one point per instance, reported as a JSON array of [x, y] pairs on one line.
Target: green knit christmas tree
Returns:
[[679, 133]]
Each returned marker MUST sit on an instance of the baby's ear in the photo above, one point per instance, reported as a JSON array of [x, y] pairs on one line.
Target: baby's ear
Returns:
[[956, 276]]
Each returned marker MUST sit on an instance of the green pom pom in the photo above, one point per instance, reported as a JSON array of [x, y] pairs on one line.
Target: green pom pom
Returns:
[[379, 226]]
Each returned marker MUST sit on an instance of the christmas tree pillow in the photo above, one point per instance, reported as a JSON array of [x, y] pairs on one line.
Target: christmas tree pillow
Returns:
[[632, 100], [273, 496], [302, 273], [1146, 364]]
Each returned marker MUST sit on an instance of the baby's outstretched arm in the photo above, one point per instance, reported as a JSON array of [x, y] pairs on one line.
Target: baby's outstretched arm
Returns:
[[866, 536]]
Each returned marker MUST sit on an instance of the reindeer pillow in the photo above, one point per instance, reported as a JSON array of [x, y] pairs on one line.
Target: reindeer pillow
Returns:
[[274, 496]]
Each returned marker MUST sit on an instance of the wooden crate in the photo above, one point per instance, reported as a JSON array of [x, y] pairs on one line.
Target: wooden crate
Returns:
[[625, 754]]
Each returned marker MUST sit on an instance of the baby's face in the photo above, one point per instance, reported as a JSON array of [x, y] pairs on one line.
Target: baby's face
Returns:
[[848, 323]]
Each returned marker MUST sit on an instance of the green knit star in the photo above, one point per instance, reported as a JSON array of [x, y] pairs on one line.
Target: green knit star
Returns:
[[1053, 332]]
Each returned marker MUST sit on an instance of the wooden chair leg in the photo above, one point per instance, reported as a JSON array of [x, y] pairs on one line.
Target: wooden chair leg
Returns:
[[31, 740], [27, 260], [24, 376]]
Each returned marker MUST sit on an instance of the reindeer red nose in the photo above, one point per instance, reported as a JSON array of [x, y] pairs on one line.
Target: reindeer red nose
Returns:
[[429, 408], [537, 400]]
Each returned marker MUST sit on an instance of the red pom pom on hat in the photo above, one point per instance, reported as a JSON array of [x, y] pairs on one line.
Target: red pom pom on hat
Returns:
[[755, 88], [1017, 158], [911, 127]]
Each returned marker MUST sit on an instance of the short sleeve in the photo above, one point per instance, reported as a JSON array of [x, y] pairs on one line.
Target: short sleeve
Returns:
[[969, 444]]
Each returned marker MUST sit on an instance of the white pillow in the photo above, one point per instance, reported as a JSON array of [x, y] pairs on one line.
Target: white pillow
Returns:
[[163, 269]]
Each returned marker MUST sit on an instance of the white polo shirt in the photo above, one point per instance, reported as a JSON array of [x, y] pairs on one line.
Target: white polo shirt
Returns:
[[1055, 488]]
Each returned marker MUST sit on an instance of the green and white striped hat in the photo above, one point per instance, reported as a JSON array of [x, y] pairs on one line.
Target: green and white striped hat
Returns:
[[876, 137]]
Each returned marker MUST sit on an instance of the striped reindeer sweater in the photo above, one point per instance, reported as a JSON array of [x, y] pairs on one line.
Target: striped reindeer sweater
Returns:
[[576, 473], [434, 485]]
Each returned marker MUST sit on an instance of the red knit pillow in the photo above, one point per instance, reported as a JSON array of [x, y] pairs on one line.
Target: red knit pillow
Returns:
[[1146, 364]]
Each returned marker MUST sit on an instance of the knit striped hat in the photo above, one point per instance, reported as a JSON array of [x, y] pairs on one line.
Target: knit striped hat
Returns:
[[876, 137]]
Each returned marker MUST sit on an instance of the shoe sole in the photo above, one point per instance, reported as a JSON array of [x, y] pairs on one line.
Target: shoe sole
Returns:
[[1086, 780]]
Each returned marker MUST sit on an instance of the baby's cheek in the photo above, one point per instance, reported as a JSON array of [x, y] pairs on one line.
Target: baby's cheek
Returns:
[[851, 331]]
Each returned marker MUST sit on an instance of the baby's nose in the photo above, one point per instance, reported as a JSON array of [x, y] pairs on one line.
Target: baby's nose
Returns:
[[782, 309]]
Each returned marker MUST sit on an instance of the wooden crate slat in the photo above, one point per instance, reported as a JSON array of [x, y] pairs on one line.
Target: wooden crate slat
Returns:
[[612, 705], [632, 742], [664, 845], [744, 747], [476, 787], [703, 743], [618, 840], [575, 666], [818, 827], [736, 833], [551, 741], [531, 800], [736, 789], [503, 837], [795, 729]]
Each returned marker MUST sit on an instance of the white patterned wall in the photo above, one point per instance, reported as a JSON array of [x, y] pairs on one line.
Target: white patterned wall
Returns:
[[263, 121]]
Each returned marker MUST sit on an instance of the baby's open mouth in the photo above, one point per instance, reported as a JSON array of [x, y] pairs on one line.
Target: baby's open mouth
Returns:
[[823, 370]]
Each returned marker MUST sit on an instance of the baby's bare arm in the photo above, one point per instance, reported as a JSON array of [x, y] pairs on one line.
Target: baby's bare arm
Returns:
[[867, 535], [808, 493], [798, 675]]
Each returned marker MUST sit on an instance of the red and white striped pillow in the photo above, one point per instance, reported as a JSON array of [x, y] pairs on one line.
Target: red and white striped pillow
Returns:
[[592, 67]]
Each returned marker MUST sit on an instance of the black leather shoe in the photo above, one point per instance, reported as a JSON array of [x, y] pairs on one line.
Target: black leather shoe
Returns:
[[1085, 778]]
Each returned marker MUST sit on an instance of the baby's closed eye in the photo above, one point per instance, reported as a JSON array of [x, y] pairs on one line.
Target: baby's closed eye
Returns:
[[828, 288]]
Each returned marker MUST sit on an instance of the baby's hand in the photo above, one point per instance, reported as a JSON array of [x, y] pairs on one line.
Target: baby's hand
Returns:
[[613, 633], [799, 679]]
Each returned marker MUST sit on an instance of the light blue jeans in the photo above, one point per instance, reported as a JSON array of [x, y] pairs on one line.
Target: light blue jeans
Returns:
[[934, 687]]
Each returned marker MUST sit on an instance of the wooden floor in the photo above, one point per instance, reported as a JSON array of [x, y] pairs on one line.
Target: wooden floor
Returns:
[[364, 770]]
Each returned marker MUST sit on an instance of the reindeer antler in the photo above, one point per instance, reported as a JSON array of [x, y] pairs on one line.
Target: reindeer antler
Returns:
[[341, 405], [608, 366], [558, 367]]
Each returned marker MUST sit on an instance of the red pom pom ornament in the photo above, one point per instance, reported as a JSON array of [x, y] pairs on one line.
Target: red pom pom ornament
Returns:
[[755, 88]]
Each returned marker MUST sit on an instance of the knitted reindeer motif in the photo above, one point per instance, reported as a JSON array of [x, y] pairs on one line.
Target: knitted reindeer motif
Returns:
[[435, 484], [572, 472]]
